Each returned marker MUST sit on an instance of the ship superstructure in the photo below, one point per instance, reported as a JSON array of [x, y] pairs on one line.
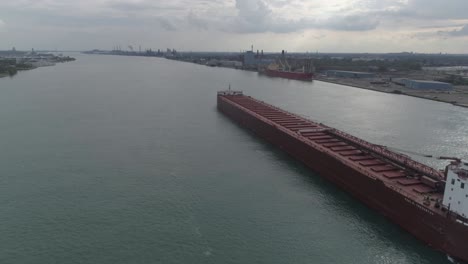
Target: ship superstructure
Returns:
[[430, 204], [456, 191]]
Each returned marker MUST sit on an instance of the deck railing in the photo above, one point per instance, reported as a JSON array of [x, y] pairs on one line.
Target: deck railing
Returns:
[[393, 156]]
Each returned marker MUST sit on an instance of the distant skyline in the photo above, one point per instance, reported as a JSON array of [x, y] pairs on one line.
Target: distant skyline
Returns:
[[377, 26]]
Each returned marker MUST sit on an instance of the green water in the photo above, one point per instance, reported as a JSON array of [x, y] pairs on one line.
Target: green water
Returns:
[[126, 160]]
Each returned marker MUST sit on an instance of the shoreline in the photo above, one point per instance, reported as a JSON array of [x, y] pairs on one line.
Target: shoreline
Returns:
[[391, 89], [457, 97], [10, 66], [365, 84], [390, 92], [5, 74]]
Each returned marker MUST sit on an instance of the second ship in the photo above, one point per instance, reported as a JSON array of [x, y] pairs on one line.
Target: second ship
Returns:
[[303, 70]]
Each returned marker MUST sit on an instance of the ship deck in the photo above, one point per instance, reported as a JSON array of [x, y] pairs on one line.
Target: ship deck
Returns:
[[404, 175]]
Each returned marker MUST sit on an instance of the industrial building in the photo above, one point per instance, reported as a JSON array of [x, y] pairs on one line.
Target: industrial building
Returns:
[[350, 74], [250, 59], [424, 84]]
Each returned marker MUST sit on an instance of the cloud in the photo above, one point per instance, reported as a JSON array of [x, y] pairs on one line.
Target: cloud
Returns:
[[166, 24], [274, 23], [359, 22], [257, 16], [129, 6], [2, 25], [420, 10], [142, 6], [436, 9], [462, 32], [252, 16], [197, 22], [238, 16]]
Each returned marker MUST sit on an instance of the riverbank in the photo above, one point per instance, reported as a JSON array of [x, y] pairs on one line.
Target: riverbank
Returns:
[[13, 71], [13, 62], [458, 97]]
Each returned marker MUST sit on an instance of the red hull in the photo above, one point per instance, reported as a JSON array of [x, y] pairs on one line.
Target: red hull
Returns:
[[436, 228], [290, 75]]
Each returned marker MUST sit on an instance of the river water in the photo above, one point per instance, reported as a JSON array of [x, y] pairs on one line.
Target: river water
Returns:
[[126, 160]]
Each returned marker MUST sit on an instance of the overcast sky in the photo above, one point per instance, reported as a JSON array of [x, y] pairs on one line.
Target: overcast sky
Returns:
[[233, 25]]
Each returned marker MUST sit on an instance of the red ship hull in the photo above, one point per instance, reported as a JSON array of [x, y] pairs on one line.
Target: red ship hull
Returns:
[[304, 76], [438, 229]]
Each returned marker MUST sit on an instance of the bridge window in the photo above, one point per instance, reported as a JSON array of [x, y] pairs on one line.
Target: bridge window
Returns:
[[462, 185], [453, 181]]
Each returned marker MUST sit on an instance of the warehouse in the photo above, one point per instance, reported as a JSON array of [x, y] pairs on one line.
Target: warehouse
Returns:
[[350, 74], [428, 85]]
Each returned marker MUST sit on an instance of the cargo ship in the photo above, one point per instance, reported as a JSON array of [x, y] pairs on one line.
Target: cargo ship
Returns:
[[430, 204], [303, 76], [299, 70]]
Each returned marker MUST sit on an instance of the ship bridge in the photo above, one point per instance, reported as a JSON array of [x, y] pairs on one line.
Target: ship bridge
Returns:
[[456, 189]]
